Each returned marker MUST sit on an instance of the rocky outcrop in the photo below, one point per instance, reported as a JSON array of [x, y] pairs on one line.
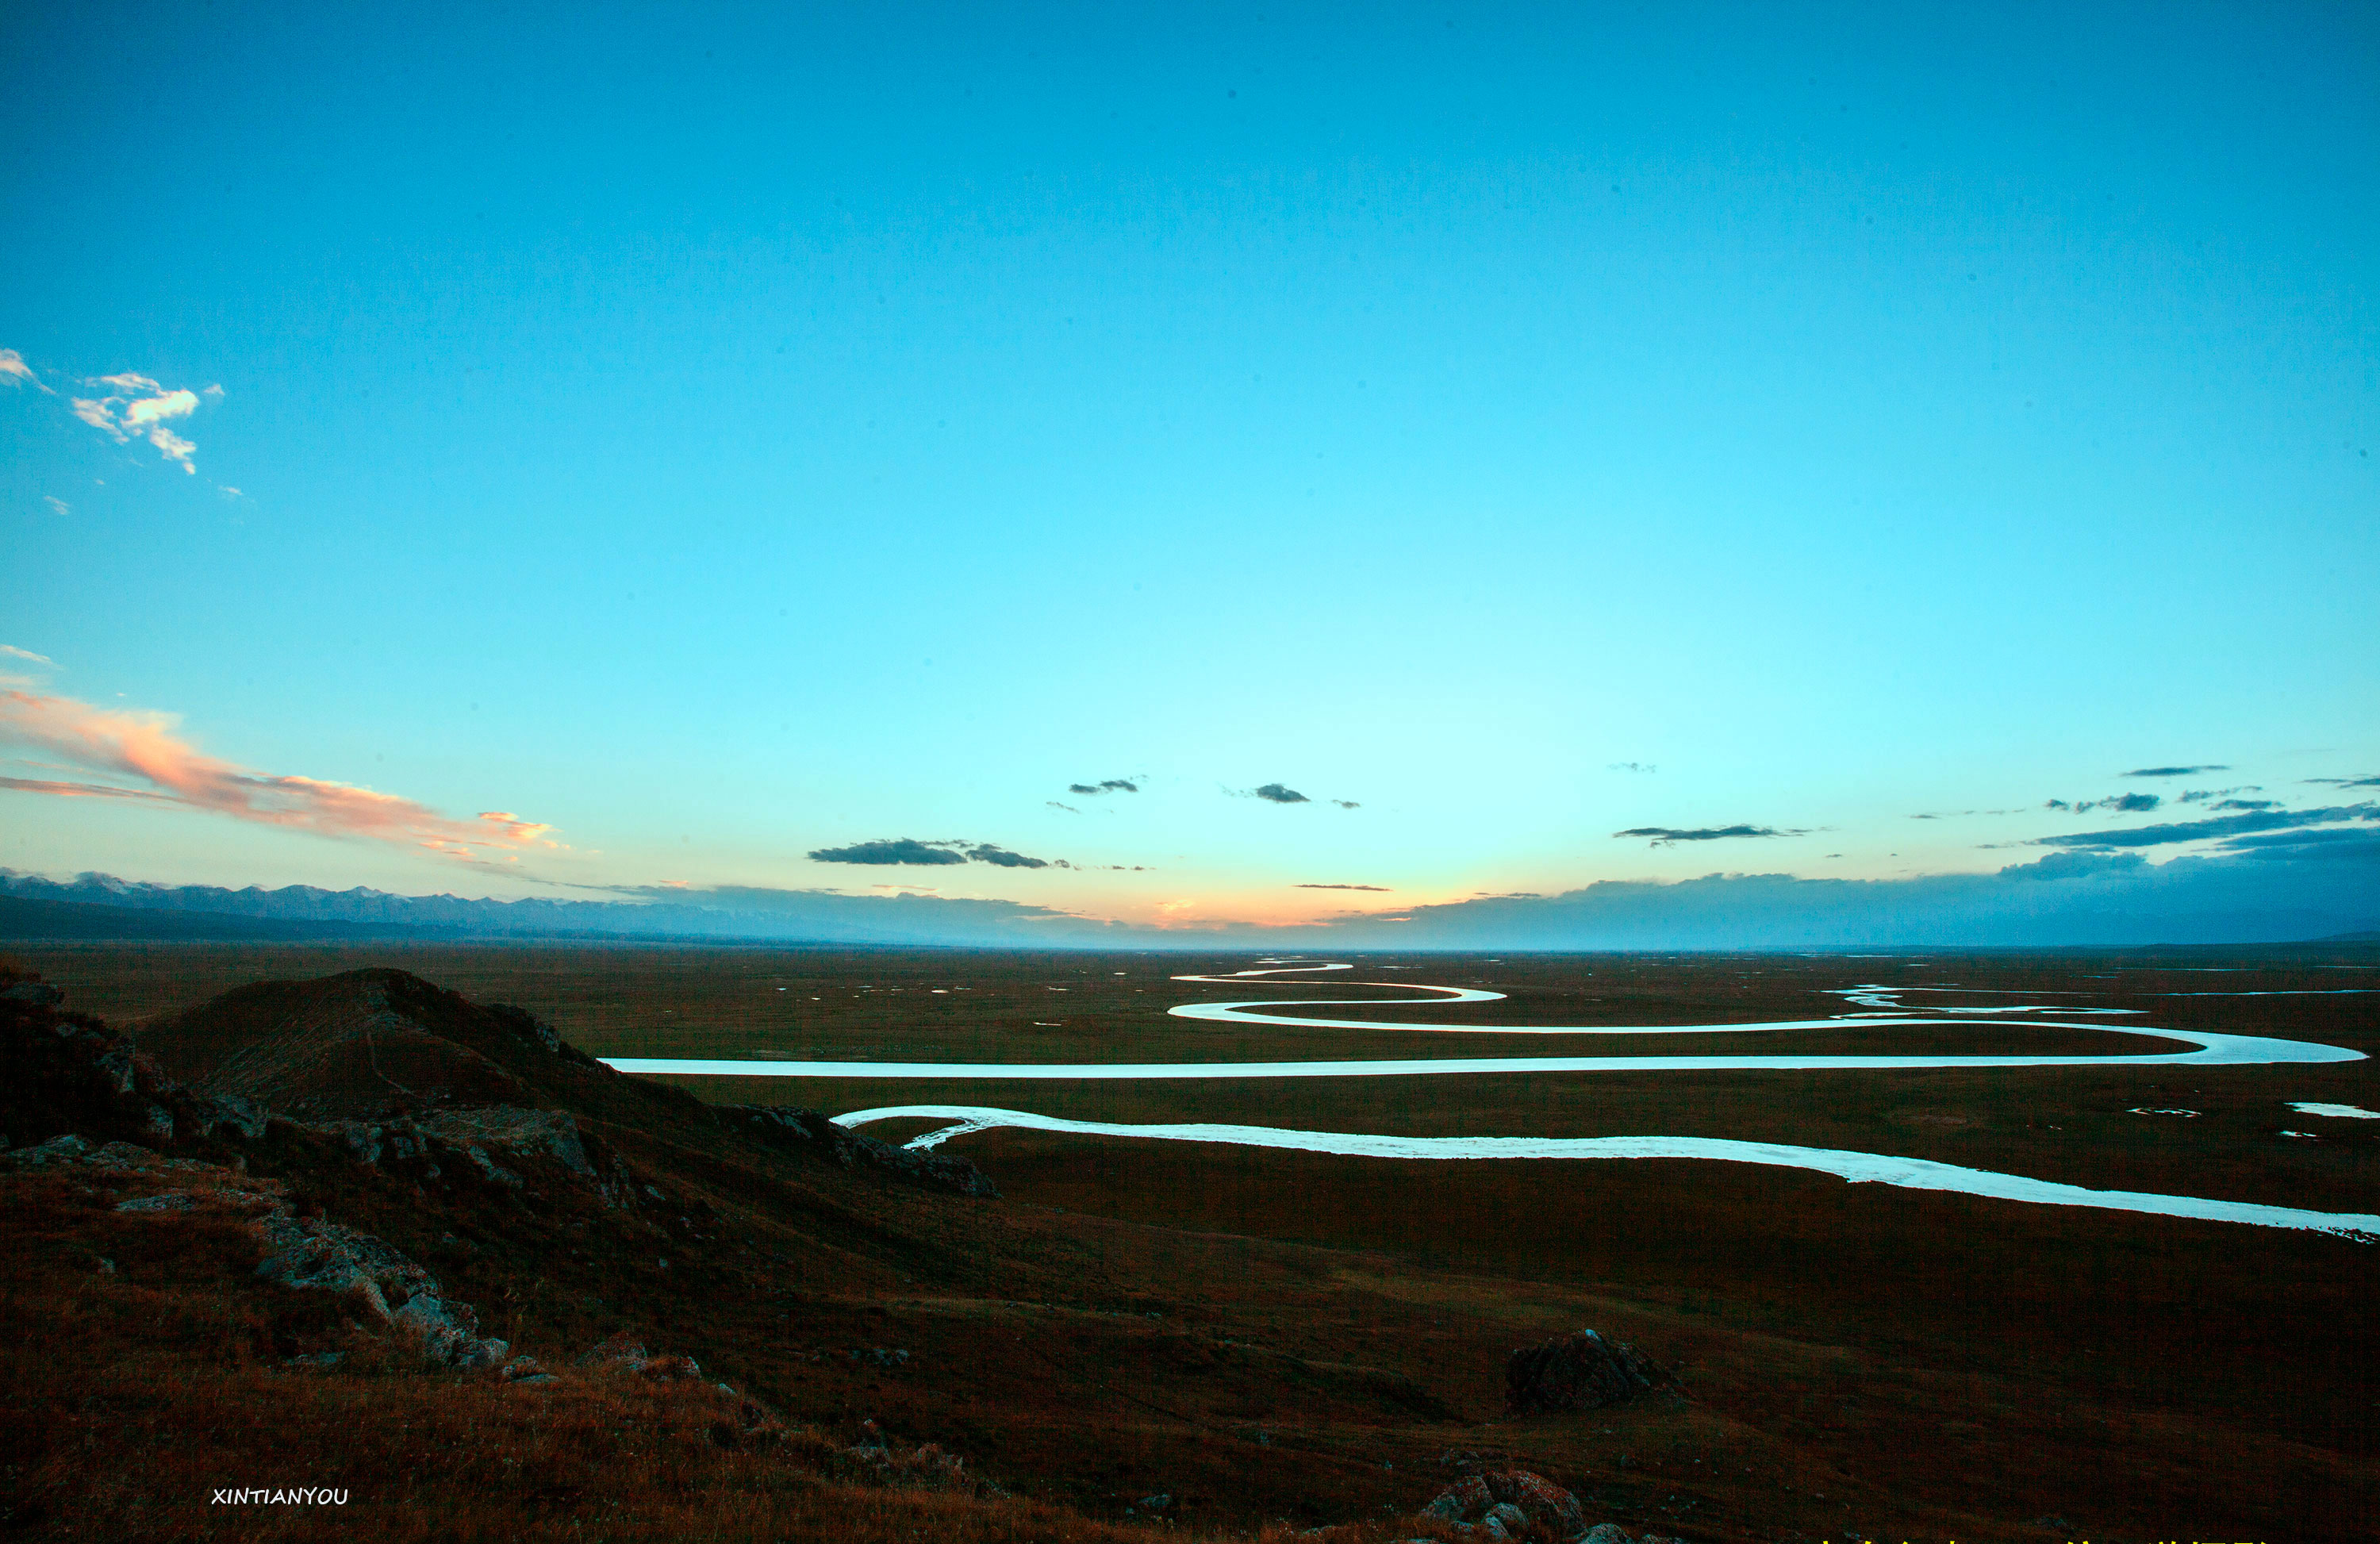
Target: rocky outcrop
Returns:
[[501, 1143], [59, 1068], [321, 1256], [789, 1129], [448, 1333], [1576, 1372], [1508, 1503], [929, 1467], [64, 1072], [312, 1254], [1492, 1505]]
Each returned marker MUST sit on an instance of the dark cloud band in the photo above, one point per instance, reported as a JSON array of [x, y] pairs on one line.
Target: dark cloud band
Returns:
[[2218, 827], [896, 850], [1661, 836], [909, 851]]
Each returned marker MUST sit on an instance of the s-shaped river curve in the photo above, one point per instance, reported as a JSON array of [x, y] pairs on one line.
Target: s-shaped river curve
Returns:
[[2212, 1050], [1857, 1167]]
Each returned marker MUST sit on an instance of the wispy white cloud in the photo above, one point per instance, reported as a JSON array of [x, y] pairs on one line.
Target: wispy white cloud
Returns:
[[140, 406], [16, 372], [57, 505], [172, 447], [17, 678], [155, 765]]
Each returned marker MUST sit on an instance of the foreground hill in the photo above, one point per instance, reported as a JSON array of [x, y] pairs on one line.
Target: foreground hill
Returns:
[[368, 1042]]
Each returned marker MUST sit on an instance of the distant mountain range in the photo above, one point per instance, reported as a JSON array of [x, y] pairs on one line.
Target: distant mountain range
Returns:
[[23, 919], [101, 905], [2059, 903]]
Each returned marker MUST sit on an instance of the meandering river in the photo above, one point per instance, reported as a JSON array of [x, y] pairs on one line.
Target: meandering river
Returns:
[[1881, 1005]]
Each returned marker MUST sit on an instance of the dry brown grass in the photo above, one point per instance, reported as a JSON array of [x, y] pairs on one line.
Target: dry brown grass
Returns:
[[1927, 1366]]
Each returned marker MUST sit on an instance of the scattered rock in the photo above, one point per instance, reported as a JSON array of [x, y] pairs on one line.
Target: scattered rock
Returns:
[[928, 1467], [326, 1257], [312, 1254], [448, 1333], [551, 1134], [490, 1169], [172, 1200], [228, 1114], [57, 1151], [496, 1140], [1508, 1502], [1575, 1372]]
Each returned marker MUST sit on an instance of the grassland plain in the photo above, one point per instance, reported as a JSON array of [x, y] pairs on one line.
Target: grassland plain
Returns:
[[1857, 1357]]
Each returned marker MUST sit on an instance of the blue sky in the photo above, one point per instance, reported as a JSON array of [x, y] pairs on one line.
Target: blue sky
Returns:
[[720, 435]]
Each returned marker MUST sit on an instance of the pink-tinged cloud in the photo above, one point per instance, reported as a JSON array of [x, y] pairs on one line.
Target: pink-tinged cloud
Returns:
[[164, 768], [16, 372], [79, 790]]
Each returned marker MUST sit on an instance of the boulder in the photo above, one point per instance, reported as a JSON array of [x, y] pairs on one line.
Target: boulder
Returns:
[[172, 1200], [58, 1151], [448, 1333], [1511, 1501], [326, 1257], [496, 1140], [1575, 1372], [1465, 1500]]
